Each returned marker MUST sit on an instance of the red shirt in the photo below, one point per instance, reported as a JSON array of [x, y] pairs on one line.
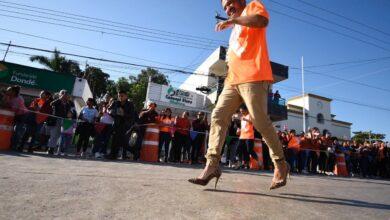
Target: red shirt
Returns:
[[183, 126]]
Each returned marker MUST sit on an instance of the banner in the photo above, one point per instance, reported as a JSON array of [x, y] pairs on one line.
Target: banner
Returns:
[[178, 96], [29, 77]]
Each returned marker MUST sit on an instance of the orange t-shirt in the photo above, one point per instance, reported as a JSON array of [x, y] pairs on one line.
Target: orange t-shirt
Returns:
[[294, 142], [247, 131], [165, 124], [248, 58]]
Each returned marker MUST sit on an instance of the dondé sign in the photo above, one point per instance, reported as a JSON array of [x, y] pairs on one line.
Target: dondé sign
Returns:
[[178, 96], [30, 77]]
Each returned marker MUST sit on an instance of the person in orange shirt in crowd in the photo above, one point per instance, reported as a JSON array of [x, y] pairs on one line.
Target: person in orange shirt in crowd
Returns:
[[246, 141], [34, 121], [304, 150], [293, 149], [182, 138], [248, 81], [312, 160], [166, 122]]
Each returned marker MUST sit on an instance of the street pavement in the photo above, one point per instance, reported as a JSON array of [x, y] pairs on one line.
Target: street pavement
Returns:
[[40, 187]]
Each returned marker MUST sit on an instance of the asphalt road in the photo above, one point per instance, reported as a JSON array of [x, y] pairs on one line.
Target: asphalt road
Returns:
[[39, 187]]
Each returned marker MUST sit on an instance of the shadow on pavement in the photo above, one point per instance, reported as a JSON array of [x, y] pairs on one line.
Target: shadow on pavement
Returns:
[[313, 199]]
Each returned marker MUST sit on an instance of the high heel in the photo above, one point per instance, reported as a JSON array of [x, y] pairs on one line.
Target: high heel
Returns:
[[275, 185], [203, 182]]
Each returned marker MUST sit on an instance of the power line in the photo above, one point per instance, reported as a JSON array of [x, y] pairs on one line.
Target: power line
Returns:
[[358, 77], [172, 38], [138, 37], [342, 16], [103, 66], [106, 60], [331, 30], [339, 99], [90, 48], [349, 81], [330, 22], [124, 25], [348, 62]]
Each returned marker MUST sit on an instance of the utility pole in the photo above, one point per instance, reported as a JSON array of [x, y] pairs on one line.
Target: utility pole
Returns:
[[303, 97], [6, 52]]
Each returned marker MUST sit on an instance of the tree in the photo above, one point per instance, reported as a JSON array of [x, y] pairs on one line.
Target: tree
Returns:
[[362, 136], [97, 80], [139, 85], [58, 63]]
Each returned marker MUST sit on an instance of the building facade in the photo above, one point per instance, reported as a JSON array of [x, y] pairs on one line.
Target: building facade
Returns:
[[317, 114]]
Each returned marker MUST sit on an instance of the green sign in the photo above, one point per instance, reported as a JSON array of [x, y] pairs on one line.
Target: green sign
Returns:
[[30, 77]]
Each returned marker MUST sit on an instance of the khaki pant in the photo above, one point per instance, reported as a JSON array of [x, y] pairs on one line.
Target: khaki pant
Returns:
[[255, 96]]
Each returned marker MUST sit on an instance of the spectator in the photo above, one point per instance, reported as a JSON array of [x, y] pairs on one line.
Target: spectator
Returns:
[[104, 130], [15, 102], [166, 123], [293, 150], [231, 154], [276, 96], [34, 120], [147, 116], [124, 117], [312, 160], [199, 125], [304, 150], [67, 131], [181, 138], [60, 109], [382, 160], [326, 142], [88, 117], [332, 156], [246, 141]]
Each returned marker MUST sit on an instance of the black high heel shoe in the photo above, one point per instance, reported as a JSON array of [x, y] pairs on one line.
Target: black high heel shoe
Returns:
[[203, 182]]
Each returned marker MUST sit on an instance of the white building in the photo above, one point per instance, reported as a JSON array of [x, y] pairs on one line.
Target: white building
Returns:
[[318, 114]]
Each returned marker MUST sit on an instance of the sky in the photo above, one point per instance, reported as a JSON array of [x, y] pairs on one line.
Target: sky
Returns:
[[363, 33]]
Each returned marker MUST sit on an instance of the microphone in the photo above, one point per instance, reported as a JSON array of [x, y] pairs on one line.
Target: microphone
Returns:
[[219, 18]]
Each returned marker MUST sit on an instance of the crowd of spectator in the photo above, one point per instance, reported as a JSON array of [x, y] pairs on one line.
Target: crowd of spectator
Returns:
[[112, 129]]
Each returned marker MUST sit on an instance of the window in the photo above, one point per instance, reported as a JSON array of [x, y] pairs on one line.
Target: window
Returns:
[[320, 118]]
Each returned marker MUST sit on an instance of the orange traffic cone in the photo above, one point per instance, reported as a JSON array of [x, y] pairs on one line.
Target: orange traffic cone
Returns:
[[149, 150], [257, 164], [6, 128], [341, 167]]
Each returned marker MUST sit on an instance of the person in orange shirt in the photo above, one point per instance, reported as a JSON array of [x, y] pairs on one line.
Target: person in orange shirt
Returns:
[[246, 140], [166, 123], [248, 80], [293, 149]]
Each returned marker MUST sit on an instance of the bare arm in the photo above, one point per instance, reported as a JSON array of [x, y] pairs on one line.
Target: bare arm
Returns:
[[253, 21]]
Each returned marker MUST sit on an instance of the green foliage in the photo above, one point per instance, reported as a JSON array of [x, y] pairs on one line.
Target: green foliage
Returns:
[[58, 63], [139, 85], [362, 136], [97, 80], [123, 84]]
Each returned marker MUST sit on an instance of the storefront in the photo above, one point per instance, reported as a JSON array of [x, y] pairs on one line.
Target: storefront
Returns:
[[33, 80]]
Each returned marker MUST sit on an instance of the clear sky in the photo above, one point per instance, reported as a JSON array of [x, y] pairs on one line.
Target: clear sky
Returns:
[[289, 39]]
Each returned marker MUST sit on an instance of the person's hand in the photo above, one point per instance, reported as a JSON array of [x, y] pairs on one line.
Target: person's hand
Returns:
[[224, 25]]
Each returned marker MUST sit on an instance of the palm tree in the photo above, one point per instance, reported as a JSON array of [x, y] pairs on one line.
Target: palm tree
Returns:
[[58, 63]]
